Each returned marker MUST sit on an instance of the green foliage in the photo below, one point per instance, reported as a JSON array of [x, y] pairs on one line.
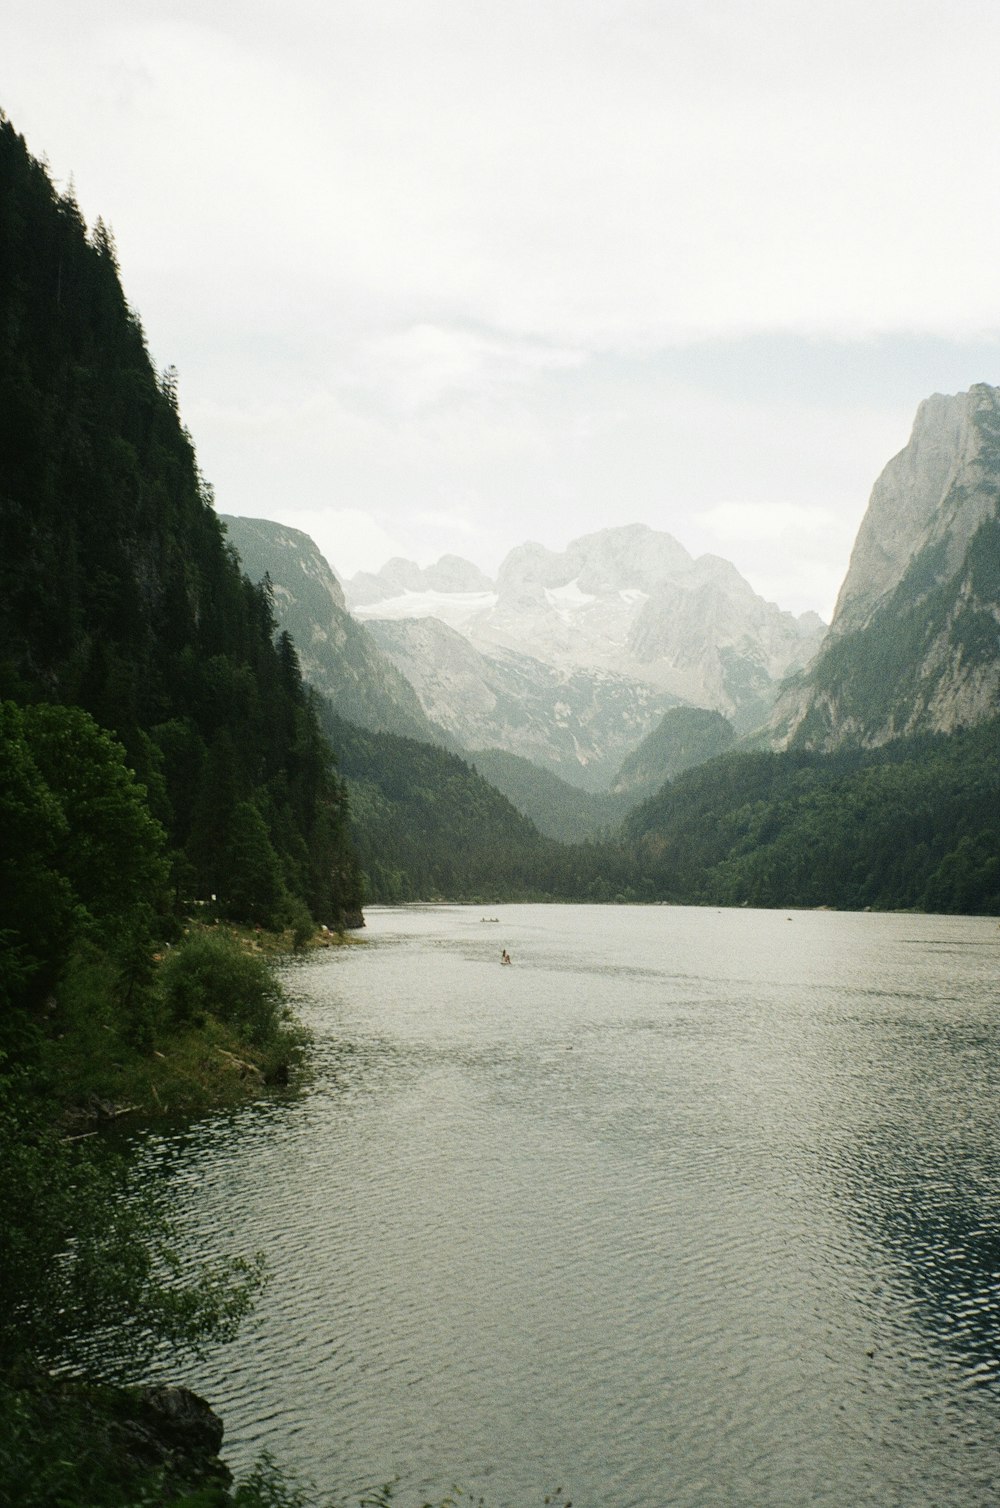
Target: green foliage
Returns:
[[84, 871], [211, 974], [141, 675], [685, 737], [112, 849], [91, 1279], [914, 825], [36, 898], [343, 663], [938, 627], [118, 592], [427, 826], [558, 810], [268, 1485], [253, 888]]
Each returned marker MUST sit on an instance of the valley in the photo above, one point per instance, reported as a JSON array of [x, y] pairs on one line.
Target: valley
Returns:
[[212, 748]]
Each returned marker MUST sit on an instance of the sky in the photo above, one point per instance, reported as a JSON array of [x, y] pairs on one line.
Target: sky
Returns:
[[442, 276]]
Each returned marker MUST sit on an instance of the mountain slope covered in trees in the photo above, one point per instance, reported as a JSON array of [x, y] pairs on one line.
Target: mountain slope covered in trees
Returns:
[[684, 737], [914, 825], [429, 827], [558, 809], [156, 744], [339, 657], [119, 594]]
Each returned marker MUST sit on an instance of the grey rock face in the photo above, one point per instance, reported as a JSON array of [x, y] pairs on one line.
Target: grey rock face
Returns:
[[579, 724], [917, 498], [915, 641], [630, 602], [337, 655], [450, 574]]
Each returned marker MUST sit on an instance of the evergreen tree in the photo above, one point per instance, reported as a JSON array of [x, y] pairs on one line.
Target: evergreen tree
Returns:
[[118, 591]]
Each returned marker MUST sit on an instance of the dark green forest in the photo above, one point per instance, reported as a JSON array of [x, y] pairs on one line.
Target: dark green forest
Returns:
[[160, 758], [118, 593], [914, 825], [428, 826], [558, 809]]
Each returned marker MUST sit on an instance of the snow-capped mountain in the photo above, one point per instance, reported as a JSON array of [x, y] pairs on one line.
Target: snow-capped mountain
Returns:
[[630, 601], [577, 723]]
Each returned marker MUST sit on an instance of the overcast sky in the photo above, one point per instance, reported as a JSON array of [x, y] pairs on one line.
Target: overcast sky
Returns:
[[446, 275]]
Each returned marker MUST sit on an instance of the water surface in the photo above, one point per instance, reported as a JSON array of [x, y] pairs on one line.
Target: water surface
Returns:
[[686, 1207]]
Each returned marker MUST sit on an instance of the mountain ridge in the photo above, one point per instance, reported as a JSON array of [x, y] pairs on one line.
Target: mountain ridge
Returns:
[[628, 599], [338, 657], [914, 646]]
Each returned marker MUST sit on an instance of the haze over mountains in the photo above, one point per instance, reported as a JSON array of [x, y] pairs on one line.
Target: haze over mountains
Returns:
[[621, 661], [628, 600], [567, 660], [570, 660]]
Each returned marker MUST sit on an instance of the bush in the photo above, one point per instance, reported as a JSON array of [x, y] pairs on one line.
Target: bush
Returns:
[[211, 974], [92, 1279]]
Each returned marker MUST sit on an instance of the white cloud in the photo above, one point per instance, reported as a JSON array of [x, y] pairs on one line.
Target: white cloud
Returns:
[[765, 522], [415, 367], [421, 260]]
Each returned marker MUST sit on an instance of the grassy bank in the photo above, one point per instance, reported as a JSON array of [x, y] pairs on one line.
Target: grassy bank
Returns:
[[208, 1028]]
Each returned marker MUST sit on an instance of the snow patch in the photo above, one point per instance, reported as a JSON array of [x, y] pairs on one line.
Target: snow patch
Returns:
[[568, 596], [453, 608]]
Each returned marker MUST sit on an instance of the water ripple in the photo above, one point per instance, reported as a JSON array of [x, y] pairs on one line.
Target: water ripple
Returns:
[[686, 1208]]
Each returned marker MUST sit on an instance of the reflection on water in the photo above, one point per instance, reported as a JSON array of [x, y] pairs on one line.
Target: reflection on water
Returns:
[[687, 1207]]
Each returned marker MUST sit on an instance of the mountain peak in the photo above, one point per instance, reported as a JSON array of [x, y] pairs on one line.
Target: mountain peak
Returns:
[[907, 499], [449, 574], [622, 558], [915, 641]]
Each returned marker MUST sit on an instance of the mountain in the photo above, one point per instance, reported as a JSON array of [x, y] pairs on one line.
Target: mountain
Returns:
[[451, 574], [426, 825], [629, 601], [686, 736], [338, 656], [558, 809], [914, 646], [683, 738], [577, 723], [913, 825], [429, 827], [118, 594]]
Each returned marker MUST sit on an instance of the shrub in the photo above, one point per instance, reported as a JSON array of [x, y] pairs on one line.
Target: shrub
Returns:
[[211, 974]]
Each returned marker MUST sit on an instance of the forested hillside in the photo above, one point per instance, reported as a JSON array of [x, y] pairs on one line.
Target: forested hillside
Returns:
[[160, 759], [119, 595], [558, 809], [684, 737], [428, 826], [914, 825], [338, 656]]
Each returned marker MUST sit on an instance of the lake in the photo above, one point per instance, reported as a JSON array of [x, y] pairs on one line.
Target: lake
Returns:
[[685, 1207]]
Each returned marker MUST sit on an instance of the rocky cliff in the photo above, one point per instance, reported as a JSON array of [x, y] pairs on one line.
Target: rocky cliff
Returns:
[[579, 724], [337, 655], [629, 601], [914, 645]]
